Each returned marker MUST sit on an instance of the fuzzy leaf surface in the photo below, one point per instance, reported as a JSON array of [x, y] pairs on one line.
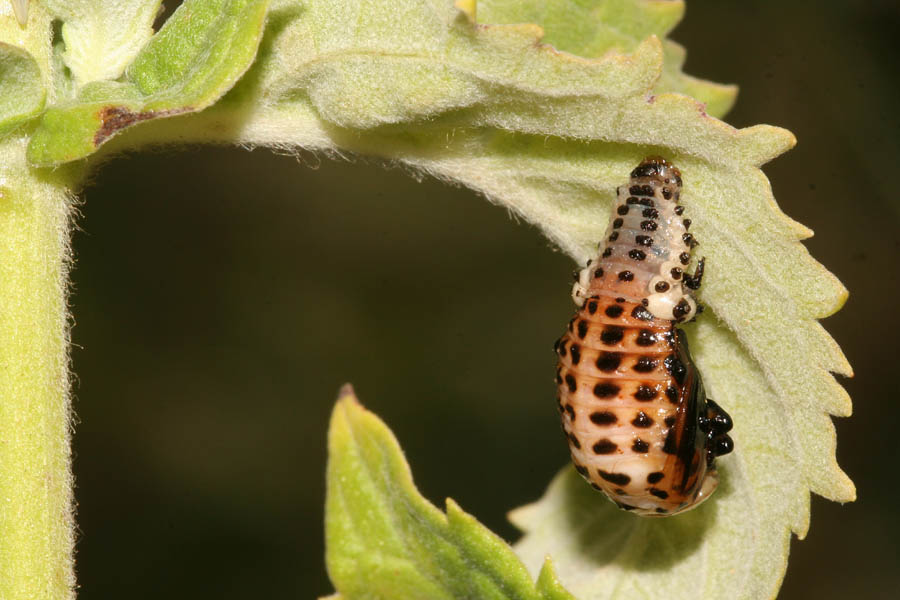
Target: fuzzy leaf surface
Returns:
[[550, 135], [22, 92], [385, 541], [594, 27], [198, 55], [102, 38]]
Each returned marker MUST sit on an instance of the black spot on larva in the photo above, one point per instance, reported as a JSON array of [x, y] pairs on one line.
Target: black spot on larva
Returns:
[[626, 506], [632, 200], [686, 223], [679, 210], [645, 364], [643, 240], [574, 441], [582, 470], [620, 299], [661, 510], [641, 446], [642, 420], [596, 487], [641, 313], [659, 493], [560, 406], [607, 253], [672, 394], [582, 328], [619, 491], [623, 209], [669, 447], [606, 390], [687, 238], [614, 236], [558, 377], [598, 273], [645, 393], [592, 306], [571, 411], [616, 478], [676, 273], [681, 309], [649, 225], [603, 418], [612, 335], [618, 223], [645, 302], [637, 254], [635, 189], [609, 361], [661, 287], [670, 420], [647, 190], [604, 446], [684, 257], [650, 213], [570, 381], [655, 477], [561, 349], [674, 366], [575, 351], [645, 337], [613, 311], [626, 275], [667, 193]]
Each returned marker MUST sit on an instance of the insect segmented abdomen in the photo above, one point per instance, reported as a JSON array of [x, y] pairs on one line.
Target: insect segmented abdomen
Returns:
[[639, 425]]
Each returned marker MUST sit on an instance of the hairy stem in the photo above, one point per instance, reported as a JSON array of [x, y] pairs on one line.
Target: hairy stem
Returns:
[[36, 525]]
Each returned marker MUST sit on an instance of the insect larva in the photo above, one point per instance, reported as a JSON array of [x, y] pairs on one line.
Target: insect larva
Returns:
[[633, 406]]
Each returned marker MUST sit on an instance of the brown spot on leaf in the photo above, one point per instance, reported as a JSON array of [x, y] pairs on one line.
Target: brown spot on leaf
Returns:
[[115, 118]]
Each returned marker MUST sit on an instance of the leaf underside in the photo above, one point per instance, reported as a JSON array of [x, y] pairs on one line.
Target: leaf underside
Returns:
[[550, 135]]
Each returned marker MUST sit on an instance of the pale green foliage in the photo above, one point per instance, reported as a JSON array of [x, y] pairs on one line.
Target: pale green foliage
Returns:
[[102, 37], [21, 89], [548, 134], [384, 540], [196, 57], [592, 28]]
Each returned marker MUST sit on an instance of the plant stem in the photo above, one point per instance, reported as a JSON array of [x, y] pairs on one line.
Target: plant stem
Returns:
[[36, 524]]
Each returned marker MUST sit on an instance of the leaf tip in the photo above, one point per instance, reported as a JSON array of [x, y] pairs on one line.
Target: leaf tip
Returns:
[[347, 393]]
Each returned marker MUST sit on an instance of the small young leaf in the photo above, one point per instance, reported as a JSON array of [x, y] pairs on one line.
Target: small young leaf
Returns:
[[101, 37], [196, 57], [385, 541], [595, 27], [21, 89]]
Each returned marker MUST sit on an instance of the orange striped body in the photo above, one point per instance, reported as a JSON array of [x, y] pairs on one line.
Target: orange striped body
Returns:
[[633, 407]]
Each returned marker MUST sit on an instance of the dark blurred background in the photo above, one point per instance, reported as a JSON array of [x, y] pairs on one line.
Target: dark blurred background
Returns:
[[221, 297]]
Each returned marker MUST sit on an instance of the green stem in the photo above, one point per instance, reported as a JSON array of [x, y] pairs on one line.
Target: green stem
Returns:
[[36, 525]]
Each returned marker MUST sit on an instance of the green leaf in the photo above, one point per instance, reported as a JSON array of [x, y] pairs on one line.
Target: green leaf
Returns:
[[384, 540], [198, 55], [550, 135], [22, 92], [593, 27], [101, 37]]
